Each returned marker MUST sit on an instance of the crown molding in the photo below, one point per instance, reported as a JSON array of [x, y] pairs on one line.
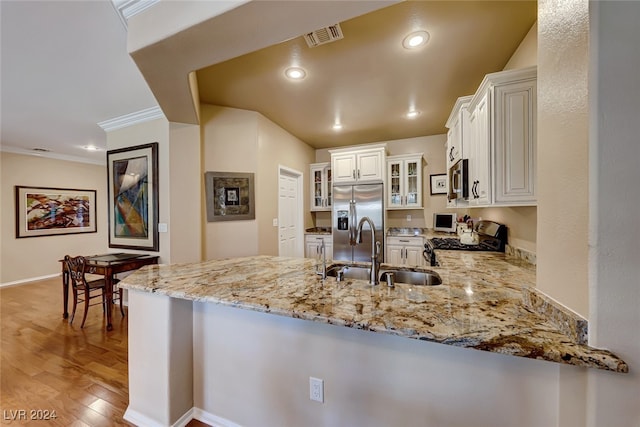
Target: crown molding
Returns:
[[127, 8], [52, 155], [141, 116]]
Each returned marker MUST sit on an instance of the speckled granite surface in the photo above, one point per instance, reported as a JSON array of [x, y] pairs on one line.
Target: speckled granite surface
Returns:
[[479, 305]]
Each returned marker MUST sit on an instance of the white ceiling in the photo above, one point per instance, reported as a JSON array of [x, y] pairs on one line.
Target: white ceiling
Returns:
[[65, 68]]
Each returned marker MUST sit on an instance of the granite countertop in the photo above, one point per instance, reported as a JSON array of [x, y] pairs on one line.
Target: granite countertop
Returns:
[[480, 304]]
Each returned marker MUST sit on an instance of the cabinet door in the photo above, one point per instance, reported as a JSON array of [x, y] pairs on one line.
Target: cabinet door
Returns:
[[395, 190], [344, 168], [369, 167], [515, 143], [413, 183], [414, 256], [317, 198], [394, 255], [328, 188], [311, 249], [479, 183], [328, 247]]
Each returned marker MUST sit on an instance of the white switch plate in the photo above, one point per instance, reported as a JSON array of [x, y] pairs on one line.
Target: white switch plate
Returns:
[[162, 227], [275, 222], [408, 218]]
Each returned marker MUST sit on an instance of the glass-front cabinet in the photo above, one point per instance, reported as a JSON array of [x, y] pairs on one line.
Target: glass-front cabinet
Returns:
[[404, 178], [320, 186]]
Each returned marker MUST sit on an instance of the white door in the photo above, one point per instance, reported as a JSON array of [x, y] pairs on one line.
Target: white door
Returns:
[[290, 214]]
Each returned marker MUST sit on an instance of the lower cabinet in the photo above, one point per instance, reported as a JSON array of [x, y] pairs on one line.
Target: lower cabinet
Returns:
[[405, 251], [313, 245]]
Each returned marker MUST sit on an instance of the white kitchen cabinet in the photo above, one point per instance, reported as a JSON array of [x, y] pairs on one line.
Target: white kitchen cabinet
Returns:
[[351, 166], [502, 155], [459, 131], [313, 244], [480, 154], [320, 174], [405, 251], [404, 181]]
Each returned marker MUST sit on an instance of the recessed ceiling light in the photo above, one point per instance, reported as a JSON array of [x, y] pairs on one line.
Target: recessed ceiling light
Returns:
[[90, 148], [415, 39], [413, 114], [295, 73], [337, 126]]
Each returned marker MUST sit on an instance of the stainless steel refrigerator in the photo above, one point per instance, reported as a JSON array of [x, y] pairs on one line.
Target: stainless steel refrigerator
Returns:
[[350, 204]]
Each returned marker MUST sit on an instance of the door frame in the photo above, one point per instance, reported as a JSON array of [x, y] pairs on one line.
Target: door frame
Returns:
[[299, 177]]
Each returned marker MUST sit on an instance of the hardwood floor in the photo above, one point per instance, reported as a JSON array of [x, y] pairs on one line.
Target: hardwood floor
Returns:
[[50, 365]]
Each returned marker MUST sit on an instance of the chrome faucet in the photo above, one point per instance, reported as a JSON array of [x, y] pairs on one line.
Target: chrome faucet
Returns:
[[375, 248], [322, 272]]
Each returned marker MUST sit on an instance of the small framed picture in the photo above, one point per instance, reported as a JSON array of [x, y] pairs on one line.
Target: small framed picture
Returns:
[[439, 184], [229, 196]]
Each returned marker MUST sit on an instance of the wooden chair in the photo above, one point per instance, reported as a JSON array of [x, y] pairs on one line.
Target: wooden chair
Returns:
[[83, 290]]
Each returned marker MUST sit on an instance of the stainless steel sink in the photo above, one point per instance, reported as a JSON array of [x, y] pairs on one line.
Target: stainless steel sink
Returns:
[[416, 278]]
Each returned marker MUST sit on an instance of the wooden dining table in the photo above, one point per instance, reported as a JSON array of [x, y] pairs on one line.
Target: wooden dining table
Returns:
[[106, 265]]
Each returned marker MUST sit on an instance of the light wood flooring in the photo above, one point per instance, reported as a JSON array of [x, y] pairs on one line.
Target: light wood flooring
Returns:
[[48, 365]]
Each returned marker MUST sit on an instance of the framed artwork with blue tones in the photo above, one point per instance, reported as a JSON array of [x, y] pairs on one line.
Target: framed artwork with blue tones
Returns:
[[132, 175]]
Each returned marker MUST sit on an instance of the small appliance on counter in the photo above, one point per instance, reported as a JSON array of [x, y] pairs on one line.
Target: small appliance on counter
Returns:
[[489, 235]]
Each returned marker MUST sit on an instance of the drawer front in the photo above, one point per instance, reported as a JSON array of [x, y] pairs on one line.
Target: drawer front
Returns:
[[405, 241]]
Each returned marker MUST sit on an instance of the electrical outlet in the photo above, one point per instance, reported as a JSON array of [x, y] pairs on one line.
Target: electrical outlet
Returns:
[[408, 218], [316, 389]]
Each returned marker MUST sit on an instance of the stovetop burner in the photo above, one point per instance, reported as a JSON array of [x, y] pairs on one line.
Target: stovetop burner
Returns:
[[452, 243]]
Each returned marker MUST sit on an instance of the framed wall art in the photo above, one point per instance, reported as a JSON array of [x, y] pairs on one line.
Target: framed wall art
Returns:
[[229, 196], [45, 211], [132, 175], [439, 184]]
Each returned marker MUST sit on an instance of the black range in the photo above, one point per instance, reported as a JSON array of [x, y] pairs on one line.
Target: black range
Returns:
[[492, 236]]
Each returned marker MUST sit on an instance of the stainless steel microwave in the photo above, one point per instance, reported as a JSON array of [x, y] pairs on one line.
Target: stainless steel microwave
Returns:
[[459, 180]]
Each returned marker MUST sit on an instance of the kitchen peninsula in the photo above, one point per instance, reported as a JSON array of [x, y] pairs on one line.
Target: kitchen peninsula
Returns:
[[478, 308]]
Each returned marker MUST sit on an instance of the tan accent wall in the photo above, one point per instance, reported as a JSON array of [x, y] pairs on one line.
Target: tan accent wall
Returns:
[[245, 141], [35, 257], [277, 147]]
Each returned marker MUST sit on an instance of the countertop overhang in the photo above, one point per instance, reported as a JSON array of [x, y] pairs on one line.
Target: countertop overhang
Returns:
[[479, 305]]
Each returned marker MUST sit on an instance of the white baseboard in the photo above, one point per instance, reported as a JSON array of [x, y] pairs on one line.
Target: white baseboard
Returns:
[[212, 420], [29, 280], [142, 420]]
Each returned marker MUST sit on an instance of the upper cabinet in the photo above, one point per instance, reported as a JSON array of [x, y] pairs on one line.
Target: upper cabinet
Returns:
[[351, 166], [458, 125], [459, 131], [502, 145], [404, 182], [320, 186]]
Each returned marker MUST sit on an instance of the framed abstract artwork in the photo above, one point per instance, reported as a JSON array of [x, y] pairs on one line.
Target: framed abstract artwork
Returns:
[[132, 175], [230, 196], [45, 211]]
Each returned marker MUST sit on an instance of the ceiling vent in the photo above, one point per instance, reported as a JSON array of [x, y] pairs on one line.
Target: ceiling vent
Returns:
[[324, 35]]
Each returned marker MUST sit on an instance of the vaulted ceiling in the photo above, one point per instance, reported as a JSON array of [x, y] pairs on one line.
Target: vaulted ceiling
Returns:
[[65, 68]]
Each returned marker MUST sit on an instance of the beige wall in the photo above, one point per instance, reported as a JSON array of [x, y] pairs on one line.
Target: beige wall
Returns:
[[185, 189], [563, 152], [145, 133], [245, 141], [31, 258], [526, 55], [277, 147]]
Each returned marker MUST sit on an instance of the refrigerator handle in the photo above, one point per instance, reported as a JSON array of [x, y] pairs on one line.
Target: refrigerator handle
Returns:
[[352, 222]]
